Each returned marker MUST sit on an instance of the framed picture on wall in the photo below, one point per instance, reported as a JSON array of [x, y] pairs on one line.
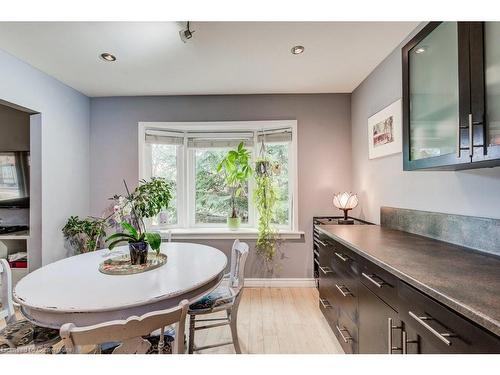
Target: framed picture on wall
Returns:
[[385, 131]]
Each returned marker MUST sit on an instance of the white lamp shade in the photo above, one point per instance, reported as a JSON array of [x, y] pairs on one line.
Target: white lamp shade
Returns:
[[345, 200]]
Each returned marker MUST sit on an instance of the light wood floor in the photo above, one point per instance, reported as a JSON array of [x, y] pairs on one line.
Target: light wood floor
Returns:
[[274, 321]]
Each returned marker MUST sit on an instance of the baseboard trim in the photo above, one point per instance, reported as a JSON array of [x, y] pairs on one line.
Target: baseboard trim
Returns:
[[280, 283]]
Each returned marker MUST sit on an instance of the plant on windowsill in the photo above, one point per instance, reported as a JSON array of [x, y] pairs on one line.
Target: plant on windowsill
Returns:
[[237, 168], [265, 196], [83, 235], [146, 201]]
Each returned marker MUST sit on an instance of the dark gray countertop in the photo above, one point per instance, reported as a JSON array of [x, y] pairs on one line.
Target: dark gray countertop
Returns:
[[464, 280]]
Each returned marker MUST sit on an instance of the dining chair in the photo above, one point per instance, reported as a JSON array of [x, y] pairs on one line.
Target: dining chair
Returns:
[[20, 335], [130, 332], [223, 298]]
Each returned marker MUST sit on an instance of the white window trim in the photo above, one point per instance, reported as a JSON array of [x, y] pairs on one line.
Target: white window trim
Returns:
[[183, 227]]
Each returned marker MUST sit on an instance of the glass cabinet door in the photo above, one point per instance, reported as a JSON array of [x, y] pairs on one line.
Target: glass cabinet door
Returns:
[[492, 84], [434, 93]]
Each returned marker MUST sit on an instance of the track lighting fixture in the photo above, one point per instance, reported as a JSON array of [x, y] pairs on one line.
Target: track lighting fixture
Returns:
[[186, 33]]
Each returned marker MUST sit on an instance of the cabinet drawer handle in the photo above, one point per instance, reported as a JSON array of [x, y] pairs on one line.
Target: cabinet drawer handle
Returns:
[[316, 253], [342, 257], [324, 302], [471, 134], [373, 281], [346, 293], [316, 261], [321, 242], [390, 327], [325, 270], [441, 336], [406, 342], [347, 338]]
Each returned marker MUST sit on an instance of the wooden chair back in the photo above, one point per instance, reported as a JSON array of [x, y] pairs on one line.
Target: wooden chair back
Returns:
[[129, 332], [239, 254], [7, 309]]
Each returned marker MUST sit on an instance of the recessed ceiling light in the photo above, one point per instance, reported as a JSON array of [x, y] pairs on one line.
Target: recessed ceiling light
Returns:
[[297, 50], [107, 57], [420, 50]]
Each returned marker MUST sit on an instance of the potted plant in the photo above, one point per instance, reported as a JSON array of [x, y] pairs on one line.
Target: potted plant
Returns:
[[237, 168], [146, 201], [137, 241], [83, 235]]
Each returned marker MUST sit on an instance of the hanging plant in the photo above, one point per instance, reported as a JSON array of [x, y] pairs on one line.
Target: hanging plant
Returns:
[[265, 198]]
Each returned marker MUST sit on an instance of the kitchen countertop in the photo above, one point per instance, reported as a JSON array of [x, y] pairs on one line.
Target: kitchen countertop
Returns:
[[462, 279]]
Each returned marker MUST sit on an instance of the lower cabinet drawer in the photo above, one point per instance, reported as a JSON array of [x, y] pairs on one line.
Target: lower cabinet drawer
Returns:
[[343, 260], [380, 282], [347, 333], [344, 294], [439, 329], [326, 303]]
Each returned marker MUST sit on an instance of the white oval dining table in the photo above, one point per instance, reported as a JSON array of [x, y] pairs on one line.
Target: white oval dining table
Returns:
[[73, 290]]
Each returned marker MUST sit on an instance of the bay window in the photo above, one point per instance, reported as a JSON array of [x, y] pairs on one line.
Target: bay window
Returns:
[[187, 155]]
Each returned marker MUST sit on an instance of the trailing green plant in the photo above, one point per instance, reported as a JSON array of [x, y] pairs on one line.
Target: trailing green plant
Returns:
[[147, 200], [84, 234], [237, 168], [265, 197]]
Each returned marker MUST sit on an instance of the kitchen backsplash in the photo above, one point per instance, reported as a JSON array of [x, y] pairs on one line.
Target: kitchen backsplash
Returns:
[[478, 233]]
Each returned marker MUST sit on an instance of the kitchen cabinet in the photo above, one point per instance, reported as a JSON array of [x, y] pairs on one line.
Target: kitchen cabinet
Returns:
[[371, 310], [379, 325], [437, 329], [492, 87], [451, 106]]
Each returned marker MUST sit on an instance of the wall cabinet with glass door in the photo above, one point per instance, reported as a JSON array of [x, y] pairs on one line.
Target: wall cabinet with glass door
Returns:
[[451, 96]]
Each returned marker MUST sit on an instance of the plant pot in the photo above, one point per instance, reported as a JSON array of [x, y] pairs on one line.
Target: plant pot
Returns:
[[262, 167], [233, 223], [138, 252]]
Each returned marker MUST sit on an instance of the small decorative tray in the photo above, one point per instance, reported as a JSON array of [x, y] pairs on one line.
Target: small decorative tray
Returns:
[[120, 265]]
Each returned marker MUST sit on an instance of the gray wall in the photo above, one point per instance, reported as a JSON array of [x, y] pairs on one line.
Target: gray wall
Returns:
[[323, 151], [64, 145], [15, 129], [382, 182]]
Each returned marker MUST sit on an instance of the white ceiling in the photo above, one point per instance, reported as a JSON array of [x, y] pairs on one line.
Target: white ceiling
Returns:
[[222, 57]]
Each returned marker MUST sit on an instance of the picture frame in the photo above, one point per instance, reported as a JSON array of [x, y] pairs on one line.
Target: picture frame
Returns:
[[385, 131]]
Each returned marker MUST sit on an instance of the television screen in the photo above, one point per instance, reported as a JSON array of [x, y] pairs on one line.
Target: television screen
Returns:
[[14, 179]]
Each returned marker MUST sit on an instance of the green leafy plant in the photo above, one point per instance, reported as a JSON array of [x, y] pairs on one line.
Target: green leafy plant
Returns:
[[150, 197], [147, 200], [265, 197], [238, 169], [84, 234], [132, 235]]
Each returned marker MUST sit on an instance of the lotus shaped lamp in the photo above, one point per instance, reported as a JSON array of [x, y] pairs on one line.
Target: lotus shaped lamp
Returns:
[[345, 201]]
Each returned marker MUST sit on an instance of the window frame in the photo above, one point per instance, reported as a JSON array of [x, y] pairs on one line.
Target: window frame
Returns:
[[185, 199]]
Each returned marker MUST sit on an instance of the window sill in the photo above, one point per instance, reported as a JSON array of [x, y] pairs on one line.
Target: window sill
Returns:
[[224, 233]]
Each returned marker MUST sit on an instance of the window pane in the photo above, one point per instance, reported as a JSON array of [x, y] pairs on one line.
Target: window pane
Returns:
[[212, 198], [278, 155], [164, 164]]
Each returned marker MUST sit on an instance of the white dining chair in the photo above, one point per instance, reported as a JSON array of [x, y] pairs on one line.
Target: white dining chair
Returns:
[[223, 298], [130, 332], [20, 335]]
